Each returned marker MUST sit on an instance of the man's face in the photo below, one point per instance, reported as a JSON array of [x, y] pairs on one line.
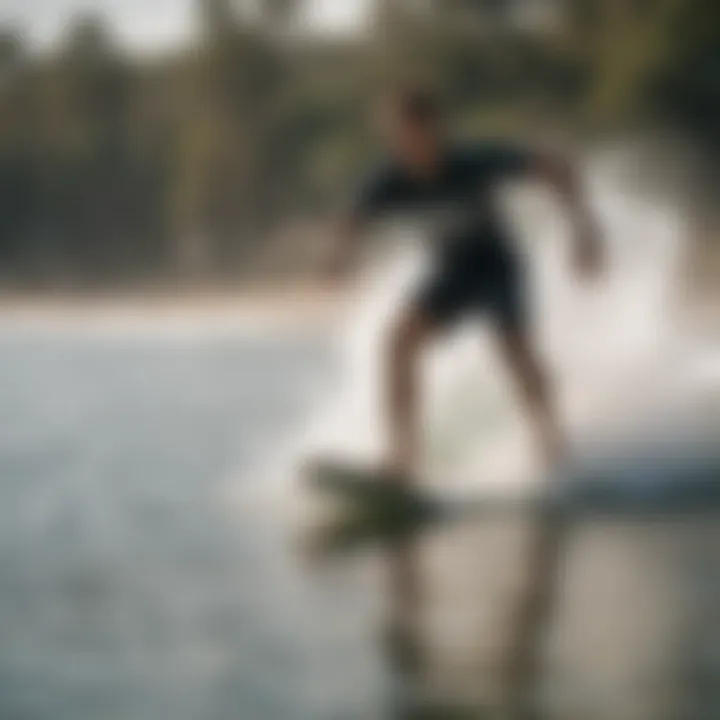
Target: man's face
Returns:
[[411, 140]]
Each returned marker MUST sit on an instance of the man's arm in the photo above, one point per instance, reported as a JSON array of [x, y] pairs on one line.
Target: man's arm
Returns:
[[562, 177], [374, 194]]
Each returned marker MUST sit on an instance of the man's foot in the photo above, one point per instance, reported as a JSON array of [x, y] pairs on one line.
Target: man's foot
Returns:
[[397, 469]]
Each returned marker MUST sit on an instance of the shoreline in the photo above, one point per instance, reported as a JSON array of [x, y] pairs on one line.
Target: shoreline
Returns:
[[262, 306]]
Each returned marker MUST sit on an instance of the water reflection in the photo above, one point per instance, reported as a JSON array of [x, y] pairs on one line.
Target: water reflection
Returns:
[[598, 606], [399, 536]]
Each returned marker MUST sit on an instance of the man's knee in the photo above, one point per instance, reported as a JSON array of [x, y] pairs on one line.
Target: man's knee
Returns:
[[533, 378], [537, 383], [528, 368], [406, 337]]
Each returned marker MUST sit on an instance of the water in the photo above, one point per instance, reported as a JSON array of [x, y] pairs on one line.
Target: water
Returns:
[[130, 587], [149, 501]]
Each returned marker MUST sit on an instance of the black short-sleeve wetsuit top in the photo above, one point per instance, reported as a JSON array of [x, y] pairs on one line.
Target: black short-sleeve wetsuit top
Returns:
[[476, 268]]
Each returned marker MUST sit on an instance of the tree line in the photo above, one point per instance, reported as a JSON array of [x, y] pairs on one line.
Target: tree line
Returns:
[[206, 162]]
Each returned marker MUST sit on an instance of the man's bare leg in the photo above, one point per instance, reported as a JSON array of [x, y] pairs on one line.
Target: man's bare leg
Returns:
[[536, 394], [407, 339]]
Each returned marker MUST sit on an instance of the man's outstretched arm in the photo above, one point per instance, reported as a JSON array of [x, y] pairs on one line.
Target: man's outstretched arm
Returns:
[[563, 178]]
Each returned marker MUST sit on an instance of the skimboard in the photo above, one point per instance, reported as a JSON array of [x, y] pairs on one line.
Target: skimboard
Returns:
[[368, 505], [373, 505], [363, 484], [379, 497], [377, 488]]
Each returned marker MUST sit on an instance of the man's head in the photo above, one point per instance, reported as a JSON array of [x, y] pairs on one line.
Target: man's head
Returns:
[[411, 125]]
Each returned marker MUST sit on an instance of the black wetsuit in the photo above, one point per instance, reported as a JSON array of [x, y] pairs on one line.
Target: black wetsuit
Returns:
[[475, 267]]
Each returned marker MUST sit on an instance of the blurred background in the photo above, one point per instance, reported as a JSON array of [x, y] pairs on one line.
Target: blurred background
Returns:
[[169, 354], [196, 142]]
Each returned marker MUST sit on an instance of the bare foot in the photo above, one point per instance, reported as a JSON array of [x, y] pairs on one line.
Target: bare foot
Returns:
[[398, 469]]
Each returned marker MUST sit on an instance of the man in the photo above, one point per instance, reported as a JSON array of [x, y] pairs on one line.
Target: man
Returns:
[[475, 270]]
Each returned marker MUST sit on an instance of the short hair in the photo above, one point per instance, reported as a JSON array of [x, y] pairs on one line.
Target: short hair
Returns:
[[419, 105]]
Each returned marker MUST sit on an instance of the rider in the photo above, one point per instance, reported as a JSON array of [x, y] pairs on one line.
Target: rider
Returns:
[[475, 270]]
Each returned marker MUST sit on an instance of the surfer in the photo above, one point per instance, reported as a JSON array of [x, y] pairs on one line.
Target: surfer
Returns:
[[475, 270]]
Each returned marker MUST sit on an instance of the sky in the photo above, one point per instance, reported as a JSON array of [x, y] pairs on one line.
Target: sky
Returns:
[[150, 24]]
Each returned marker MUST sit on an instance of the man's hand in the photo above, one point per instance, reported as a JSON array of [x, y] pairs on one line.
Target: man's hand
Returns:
[[588, 248]]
